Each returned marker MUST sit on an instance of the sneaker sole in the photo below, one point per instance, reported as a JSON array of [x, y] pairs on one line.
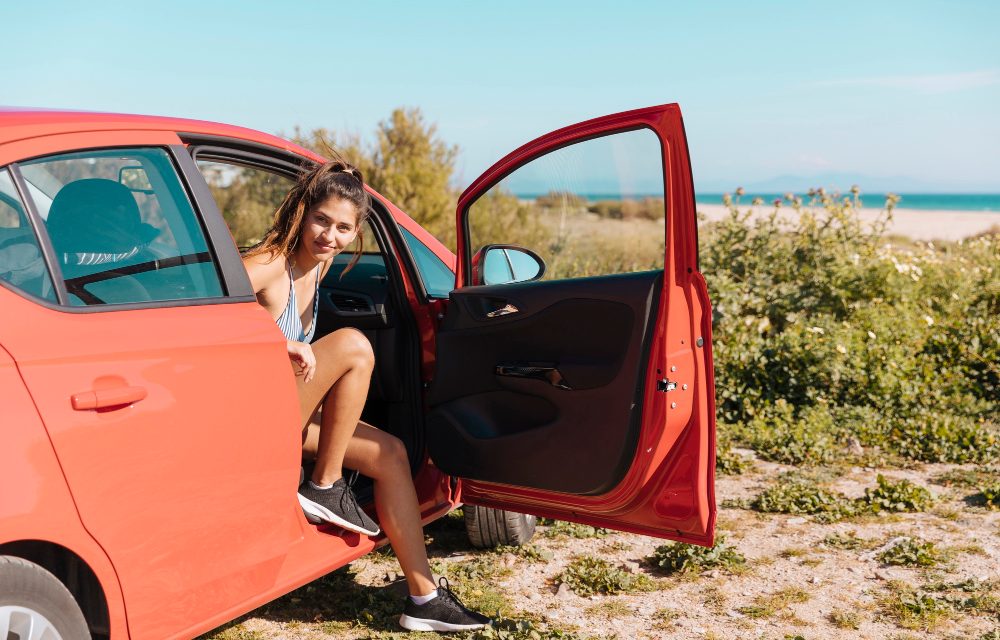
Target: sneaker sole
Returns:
[[318, 514], [421, 624]]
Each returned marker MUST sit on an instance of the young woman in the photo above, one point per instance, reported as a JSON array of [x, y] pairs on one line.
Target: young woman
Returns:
[[318, 219]]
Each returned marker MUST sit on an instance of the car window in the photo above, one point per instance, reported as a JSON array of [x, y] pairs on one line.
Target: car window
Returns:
[[122, 227], [21, 261], [591, 208], [438, 279], [246, 196]]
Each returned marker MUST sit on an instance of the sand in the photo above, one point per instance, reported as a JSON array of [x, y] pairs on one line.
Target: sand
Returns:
[[916, 224]]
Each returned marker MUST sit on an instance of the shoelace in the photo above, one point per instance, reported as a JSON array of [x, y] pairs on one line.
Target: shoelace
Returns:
[[444, 584], [349, 497]]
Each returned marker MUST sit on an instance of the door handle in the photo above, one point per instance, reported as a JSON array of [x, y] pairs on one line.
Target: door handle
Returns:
[[505, 310], [545, 373], [107, 398]]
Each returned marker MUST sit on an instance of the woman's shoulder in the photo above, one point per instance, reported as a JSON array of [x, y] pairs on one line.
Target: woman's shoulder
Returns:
[[265, 268]]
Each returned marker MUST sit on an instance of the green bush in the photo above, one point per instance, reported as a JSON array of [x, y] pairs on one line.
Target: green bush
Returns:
[[825, 334], [910, 552], [588, 576], [679, 557], [990, 495], [902, 495], [795, 494]]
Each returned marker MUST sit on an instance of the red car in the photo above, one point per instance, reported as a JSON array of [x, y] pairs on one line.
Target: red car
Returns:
[[149, 466]]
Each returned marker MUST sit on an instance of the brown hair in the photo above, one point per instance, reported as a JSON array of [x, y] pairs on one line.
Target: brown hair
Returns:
[[336, 179]]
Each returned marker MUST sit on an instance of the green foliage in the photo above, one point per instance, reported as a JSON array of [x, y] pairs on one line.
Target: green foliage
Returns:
[[912, 608], [408, 163], [727, 461], [678, 557], [588, 576], [529, 552], [990, 495], [902, 495], [849, 541], [765, 606], [561, 528], [797, 494], [825, 334], [911, 552], [509, 629], [845, 619], [647, 208]]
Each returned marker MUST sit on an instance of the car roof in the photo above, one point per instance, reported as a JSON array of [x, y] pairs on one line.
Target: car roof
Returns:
[[19, 123]]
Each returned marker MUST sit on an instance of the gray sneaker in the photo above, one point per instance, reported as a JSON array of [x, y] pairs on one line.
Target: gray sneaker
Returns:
[[336, 505], [443, 613]]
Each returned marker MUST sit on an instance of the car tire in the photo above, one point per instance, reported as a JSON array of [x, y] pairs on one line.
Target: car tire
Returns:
[[33, 598], [488, 527]]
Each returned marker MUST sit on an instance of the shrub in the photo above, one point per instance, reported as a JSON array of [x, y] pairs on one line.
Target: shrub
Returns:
[[894, 346], [897, 496], [910, 552], [588, 576], [990, 494], [679, 557], [796, 494]]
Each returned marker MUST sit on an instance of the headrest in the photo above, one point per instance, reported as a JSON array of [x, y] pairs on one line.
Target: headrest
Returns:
[[97, 217]]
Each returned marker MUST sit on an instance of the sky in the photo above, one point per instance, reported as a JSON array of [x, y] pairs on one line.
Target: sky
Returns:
[[892, 95]]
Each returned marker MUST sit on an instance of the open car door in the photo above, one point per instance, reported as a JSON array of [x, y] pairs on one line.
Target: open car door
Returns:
[[588, 398]]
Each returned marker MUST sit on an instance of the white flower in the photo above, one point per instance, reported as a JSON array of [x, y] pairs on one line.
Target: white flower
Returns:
[[841, 349], [929, 320], [818, 330], [871, 334]]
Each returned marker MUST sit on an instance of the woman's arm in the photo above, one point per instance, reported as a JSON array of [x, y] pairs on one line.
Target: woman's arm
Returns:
[[269, 279]]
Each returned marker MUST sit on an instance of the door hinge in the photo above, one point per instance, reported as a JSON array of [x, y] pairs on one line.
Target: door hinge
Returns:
[[665, 385]]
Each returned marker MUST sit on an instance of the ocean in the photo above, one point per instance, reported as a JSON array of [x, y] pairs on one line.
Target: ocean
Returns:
[[927, 201]]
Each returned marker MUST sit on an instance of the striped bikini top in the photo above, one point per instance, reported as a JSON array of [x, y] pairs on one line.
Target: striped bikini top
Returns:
[[289, 321]]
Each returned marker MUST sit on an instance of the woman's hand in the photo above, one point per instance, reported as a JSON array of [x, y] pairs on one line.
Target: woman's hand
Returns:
[[301, 355]]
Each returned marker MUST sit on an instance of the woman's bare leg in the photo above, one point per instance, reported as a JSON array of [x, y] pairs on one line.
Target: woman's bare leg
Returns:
[[344, 363], [382, 457]]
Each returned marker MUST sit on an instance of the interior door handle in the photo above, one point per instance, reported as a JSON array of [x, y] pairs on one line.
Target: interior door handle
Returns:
[[505, 310], [546, 373], [107, 398]]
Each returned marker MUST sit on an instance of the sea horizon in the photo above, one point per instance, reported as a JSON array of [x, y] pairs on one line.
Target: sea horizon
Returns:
[[984, 202]]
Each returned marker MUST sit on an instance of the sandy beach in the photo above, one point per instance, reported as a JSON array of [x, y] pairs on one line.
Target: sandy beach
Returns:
[[916, 224]]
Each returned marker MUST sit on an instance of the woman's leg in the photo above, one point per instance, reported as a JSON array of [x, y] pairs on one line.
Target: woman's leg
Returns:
[[382, 457], [344, 363]]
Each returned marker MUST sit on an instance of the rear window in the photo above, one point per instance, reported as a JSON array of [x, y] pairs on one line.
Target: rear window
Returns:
[[122, 227]]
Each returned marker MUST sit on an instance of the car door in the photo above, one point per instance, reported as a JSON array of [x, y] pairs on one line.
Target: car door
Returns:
[[161, 382], [585, 394]]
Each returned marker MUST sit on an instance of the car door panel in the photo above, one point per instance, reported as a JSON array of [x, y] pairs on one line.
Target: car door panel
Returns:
[[593, 337]]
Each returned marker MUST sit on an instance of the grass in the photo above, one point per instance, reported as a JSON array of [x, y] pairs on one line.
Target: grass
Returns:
[[563, 529], [588, 576], [911, 608], [849, 541], [843, 619], [769, 605]]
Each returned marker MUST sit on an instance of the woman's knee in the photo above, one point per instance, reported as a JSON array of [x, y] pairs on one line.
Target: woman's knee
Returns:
[[349, 346], [393, 452]]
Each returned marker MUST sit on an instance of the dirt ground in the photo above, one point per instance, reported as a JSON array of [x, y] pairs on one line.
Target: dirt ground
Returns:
[[794, 583]]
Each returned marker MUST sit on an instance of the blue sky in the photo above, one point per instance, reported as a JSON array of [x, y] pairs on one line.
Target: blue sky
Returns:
[[897, 95]]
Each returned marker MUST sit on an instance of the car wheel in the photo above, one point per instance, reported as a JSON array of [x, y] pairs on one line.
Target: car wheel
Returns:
[[493, 527], [34, 604]]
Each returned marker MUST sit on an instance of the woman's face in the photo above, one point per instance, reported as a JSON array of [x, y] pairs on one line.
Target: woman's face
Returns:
[[328, 228]]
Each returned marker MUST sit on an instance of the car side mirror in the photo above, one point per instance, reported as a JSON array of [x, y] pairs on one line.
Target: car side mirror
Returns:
[[506, 263]]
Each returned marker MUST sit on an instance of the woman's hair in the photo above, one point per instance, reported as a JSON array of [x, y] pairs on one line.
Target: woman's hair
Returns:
[[336, 179]]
